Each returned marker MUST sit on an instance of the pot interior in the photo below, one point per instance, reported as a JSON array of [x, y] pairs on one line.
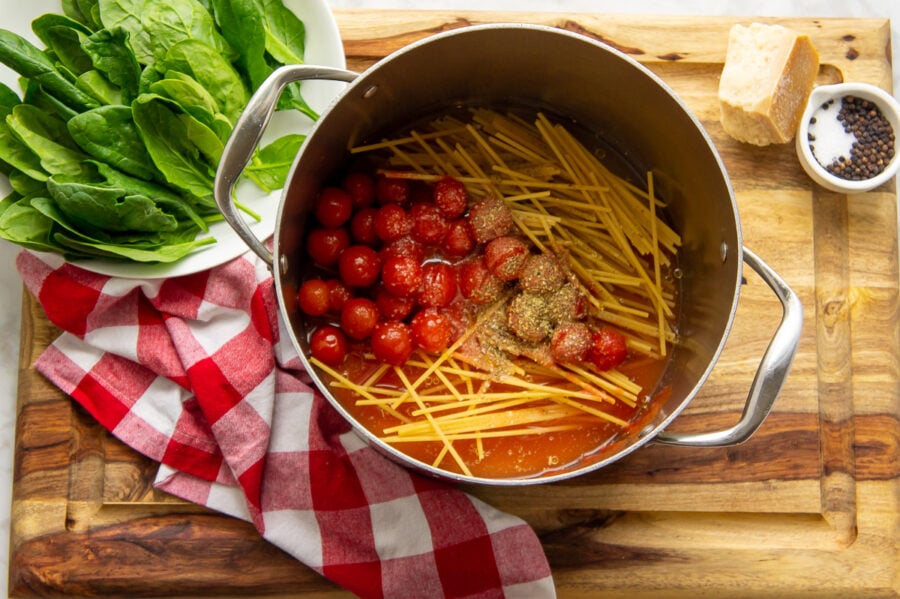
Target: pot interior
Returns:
[[599, 90]]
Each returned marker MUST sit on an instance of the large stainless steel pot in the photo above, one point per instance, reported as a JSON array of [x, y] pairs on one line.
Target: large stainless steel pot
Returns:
[[604, 91]]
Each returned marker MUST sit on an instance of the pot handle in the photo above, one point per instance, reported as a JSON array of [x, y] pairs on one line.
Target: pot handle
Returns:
[[770, 375], [247, 132]]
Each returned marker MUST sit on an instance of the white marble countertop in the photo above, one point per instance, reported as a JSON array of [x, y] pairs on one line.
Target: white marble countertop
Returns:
[[13, 11]]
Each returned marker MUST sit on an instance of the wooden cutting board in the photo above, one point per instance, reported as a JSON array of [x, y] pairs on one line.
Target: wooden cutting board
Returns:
[[808, 507]]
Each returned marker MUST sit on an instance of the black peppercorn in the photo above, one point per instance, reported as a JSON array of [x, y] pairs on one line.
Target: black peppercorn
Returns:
[[873, 147]]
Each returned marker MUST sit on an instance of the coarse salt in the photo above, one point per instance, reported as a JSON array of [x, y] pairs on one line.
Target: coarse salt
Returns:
[[828, 139]]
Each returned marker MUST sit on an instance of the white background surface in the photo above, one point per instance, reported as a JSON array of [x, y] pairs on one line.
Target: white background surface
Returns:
[[15, 11]]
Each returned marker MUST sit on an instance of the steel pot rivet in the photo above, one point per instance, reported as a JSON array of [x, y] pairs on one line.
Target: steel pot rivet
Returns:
[[283, 264], [370, 92], [723, 251]]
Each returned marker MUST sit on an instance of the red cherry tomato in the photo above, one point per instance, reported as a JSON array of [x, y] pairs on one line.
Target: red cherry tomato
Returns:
[[338, 294], [328, 344], [392, 222], [359, 317], [405, 246], [608, 349], [477, 283], [402, 275], [490, 218], [391, 191], [428, 224], [392, 342], [361, 188], [324, 246], [392, 307], [505, 256], [431, 330], [451, 197], [333, 207], [359, 266], [438, 285], [362, 226], [459, 241], [313, 297], [571, 342]]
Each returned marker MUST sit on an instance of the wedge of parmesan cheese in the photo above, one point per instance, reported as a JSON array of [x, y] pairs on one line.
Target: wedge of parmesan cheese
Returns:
[[768, 74]]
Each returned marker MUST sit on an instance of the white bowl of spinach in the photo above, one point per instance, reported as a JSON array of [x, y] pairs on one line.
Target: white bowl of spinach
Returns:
[[111, 144]]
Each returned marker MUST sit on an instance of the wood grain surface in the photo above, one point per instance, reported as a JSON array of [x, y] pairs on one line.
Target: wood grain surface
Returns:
[[808, 507]]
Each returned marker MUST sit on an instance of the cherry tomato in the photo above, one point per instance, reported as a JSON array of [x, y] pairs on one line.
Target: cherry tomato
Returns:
[[571, 342], [362, 226], [359, 266], [459, 241], [358, 317], [338, 294], [405, 246], [490, 218], [333, 207], [438, 285], [392, 307], [402, 275], [477, 283], [328, 344], [429, 225], [391, 191], [431, 330], [324, 246], [542, 273], [608, 349], [360, 187], [392, 342], [313, 297], [451, 197], [392, 222], [505, 256]]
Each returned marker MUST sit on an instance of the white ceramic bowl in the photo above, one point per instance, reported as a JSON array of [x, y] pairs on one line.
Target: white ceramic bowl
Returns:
[[819, 96]]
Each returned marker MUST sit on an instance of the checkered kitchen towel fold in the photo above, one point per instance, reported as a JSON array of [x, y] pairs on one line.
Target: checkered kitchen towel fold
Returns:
[[197, 373]]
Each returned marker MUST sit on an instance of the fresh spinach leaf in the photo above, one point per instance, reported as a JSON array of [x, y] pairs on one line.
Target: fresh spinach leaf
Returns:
[[153, 247], [164, 252], [22, 224], [154, 26], [270, 166], [38, 96], [212, 71], [108, 133], [285, 33], [241, 24], [26, 59], [8, 99], [84, 11], [183, 149], [111, 54], [107, 208], [183, 207], [61, 35], [18, 155], [95, 84], [195, 100], [24, 184], [46, 136]]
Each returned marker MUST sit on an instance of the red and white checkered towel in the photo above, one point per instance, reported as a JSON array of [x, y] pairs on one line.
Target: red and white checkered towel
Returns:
[[197, 373]]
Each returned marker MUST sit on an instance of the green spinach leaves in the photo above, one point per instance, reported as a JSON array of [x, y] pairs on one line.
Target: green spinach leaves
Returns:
[[112, 149]]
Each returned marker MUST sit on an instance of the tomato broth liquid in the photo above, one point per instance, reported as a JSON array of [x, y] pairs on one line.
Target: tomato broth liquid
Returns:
[[488, 457]]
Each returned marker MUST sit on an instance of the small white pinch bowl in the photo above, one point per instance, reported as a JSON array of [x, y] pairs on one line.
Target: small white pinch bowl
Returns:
[[820, 95]]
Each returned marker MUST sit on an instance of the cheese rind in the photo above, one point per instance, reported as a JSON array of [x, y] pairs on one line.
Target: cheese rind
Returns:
[[768, 75]]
